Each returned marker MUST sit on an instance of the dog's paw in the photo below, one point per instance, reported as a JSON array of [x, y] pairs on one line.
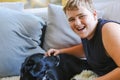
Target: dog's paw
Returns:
[[85, 75]]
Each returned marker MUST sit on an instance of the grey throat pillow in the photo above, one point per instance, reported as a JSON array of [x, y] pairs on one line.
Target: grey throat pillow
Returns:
[[20, 35]]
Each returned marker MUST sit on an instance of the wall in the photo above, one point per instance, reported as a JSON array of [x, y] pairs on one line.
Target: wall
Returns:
[[64, 1], [10, 0]]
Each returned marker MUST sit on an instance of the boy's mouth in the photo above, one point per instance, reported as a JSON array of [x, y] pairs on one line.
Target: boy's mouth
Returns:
[[80, 28]]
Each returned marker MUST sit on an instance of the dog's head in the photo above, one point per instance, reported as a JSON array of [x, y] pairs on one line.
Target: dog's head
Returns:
[[38, 67]]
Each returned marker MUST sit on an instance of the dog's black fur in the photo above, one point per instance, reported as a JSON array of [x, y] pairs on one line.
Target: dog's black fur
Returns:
[[38, 67], [61, 67]]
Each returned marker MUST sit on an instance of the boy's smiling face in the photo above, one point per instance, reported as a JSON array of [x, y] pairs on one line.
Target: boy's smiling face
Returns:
[[82, 21]]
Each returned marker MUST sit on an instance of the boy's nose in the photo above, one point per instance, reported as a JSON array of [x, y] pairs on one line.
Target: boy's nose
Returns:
[[77, 22]]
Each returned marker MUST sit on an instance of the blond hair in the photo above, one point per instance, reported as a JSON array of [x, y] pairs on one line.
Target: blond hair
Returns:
[[75, 4]]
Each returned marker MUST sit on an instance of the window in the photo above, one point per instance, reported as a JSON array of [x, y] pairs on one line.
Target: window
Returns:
[[40, 3], [37, 3]]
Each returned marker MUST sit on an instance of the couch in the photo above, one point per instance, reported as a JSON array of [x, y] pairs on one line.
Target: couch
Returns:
[[24, 32]]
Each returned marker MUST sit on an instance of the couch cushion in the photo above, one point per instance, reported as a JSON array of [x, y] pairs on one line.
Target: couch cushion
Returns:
[[58, 32], [19, 6], [20, 35], [112, 11], [40, 12]]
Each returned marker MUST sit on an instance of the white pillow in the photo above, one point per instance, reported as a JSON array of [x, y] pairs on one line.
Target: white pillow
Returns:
[[112, 12], [58, 33], [13, 5]]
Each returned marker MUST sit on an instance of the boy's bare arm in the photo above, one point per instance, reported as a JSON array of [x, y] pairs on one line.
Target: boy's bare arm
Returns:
[[75, 51], [111, 41]]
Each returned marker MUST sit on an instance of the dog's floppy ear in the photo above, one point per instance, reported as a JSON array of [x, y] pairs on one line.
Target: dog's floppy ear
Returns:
[[23, 70], [30, 61], [52, 60], [28, 65]]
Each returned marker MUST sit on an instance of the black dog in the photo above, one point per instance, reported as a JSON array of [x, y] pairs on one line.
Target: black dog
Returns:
[[38, 67], [62, 67]]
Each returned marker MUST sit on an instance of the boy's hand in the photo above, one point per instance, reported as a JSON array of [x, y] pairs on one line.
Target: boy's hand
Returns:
[[53, 52]]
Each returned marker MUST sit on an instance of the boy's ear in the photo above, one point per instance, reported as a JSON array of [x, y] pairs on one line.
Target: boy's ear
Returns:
[[95, 14]]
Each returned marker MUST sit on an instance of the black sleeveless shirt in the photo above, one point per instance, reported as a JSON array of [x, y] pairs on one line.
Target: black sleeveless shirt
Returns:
[[95, 52]]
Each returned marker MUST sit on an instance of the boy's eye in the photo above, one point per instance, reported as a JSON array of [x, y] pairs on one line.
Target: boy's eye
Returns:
[[81, 16], [71, 19]]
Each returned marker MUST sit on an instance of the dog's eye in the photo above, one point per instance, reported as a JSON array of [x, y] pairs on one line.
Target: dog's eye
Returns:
[[37, 67], [30, 63]]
